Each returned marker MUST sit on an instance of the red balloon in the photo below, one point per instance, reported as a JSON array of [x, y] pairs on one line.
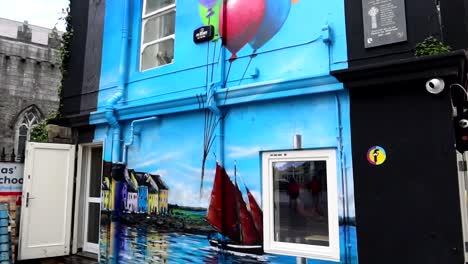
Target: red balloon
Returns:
[[243, 19]]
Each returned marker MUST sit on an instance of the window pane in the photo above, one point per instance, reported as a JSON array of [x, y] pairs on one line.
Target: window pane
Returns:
[[93, 222], [95, 171], [158, 54], [23, 130], [300, 202], [21, 145], [153, 5], [158, 27]]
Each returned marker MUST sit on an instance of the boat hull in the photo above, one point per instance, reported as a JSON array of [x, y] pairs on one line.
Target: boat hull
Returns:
[[254, 249]]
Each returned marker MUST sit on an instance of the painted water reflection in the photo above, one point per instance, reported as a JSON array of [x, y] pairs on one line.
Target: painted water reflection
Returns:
[[133, 244], [143, 244]]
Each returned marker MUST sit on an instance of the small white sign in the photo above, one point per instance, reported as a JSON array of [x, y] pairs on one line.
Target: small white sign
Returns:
[[11, 177]]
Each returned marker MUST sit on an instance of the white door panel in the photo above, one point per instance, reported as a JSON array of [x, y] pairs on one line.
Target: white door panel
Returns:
[[45, 226], [93, 199]]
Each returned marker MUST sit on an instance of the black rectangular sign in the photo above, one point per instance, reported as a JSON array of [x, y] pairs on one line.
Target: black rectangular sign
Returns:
[[203, 34]]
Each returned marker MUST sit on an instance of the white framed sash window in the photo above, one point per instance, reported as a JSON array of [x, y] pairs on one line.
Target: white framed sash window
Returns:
[[157, 33], [300, 200]]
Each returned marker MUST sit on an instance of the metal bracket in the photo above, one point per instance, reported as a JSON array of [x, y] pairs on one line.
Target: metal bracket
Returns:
[[326, 36]]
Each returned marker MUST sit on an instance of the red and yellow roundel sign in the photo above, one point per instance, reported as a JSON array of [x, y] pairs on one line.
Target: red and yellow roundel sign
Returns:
[[376, 155]]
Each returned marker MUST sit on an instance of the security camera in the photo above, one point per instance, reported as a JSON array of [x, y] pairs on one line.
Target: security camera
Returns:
[[463, 123], [435, 86]]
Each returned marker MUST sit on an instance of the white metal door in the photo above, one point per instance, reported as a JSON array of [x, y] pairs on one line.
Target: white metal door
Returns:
[[46, 210], [92, 198]]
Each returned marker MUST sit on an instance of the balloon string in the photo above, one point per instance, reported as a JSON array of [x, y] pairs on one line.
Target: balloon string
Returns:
[[225, 82], [246, 68], [207, 65], [213, 60]]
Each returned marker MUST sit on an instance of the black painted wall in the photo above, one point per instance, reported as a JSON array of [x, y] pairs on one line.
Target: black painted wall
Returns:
[[82, 85], [422, 21], [93, 56], [73, 83], [407, 209], [455, 23]]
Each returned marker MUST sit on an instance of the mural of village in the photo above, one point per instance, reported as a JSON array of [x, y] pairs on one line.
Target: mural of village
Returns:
[[143, 200], [141, 193], [154, 211], [146, 228]]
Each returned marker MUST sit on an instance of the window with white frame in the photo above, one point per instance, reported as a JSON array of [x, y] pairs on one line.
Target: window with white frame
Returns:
[[158, 33], [300, 200], [27, 119]]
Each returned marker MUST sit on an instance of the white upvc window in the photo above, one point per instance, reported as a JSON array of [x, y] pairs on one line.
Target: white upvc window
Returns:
[[157, 33], [300, 203]]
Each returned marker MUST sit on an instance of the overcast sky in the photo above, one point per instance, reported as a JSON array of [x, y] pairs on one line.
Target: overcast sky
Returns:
[[44, 13]]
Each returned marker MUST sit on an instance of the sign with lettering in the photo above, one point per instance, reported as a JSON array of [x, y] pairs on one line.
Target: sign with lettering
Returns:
[[384, 22], [11, 177], [203, 34]]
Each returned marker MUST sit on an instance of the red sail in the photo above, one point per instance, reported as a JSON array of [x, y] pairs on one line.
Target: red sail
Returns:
[[257, 214], [249, 233], [222, 213]]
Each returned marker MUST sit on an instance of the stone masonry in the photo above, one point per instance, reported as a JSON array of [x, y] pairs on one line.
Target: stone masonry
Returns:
[[29, 74]]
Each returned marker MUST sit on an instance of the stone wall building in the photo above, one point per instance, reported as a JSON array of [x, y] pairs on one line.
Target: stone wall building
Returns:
[[29, 80]]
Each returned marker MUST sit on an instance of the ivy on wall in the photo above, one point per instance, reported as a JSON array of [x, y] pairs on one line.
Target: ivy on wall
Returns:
[[65, 54], [431, 46], [39, 132]]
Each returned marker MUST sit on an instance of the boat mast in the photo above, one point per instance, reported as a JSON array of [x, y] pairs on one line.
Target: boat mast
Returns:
[[237, 191]]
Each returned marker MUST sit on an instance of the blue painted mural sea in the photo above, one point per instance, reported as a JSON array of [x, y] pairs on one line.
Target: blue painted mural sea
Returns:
[[148, 245]]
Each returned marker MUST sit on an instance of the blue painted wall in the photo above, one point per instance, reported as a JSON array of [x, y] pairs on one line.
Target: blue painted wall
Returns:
[[293, 93], [297, 51]]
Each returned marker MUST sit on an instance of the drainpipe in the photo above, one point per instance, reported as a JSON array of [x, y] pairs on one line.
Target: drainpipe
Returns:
[[110, 112], [134, 131], [297, 144], [344, 178], [123, 68]]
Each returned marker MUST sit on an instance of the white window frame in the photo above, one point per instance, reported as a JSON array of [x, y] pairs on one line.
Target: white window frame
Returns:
[[329, 253], [144, 19], [463, 187]]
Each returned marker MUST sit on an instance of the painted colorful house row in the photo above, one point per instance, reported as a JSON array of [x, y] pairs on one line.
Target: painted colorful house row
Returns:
[[141, 193], [273, 131]]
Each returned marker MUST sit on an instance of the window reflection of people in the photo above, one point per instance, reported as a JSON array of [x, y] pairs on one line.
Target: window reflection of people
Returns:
[[295, 202], [293, 191], [315, 189]]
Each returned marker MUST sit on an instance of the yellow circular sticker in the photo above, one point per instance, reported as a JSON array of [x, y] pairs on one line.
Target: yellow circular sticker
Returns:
[[376, 155]]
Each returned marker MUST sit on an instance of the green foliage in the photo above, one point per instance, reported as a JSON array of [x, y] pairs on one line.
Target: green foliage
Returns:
[[431, 46], [39, 132], [65, 54]]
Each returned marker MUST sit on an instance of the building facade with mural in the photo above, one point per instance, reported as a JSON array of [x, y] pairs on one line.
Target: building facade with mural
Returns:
[[273, 131]]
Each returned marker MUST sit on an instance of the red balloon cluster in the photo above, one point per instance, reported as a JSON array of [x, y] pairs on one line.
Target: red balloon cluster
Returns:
[[244, 18]]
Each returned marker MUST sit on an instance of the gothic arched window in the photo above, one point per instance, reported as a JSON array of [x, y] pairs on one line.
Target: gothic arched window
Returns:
[[26, 120]]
